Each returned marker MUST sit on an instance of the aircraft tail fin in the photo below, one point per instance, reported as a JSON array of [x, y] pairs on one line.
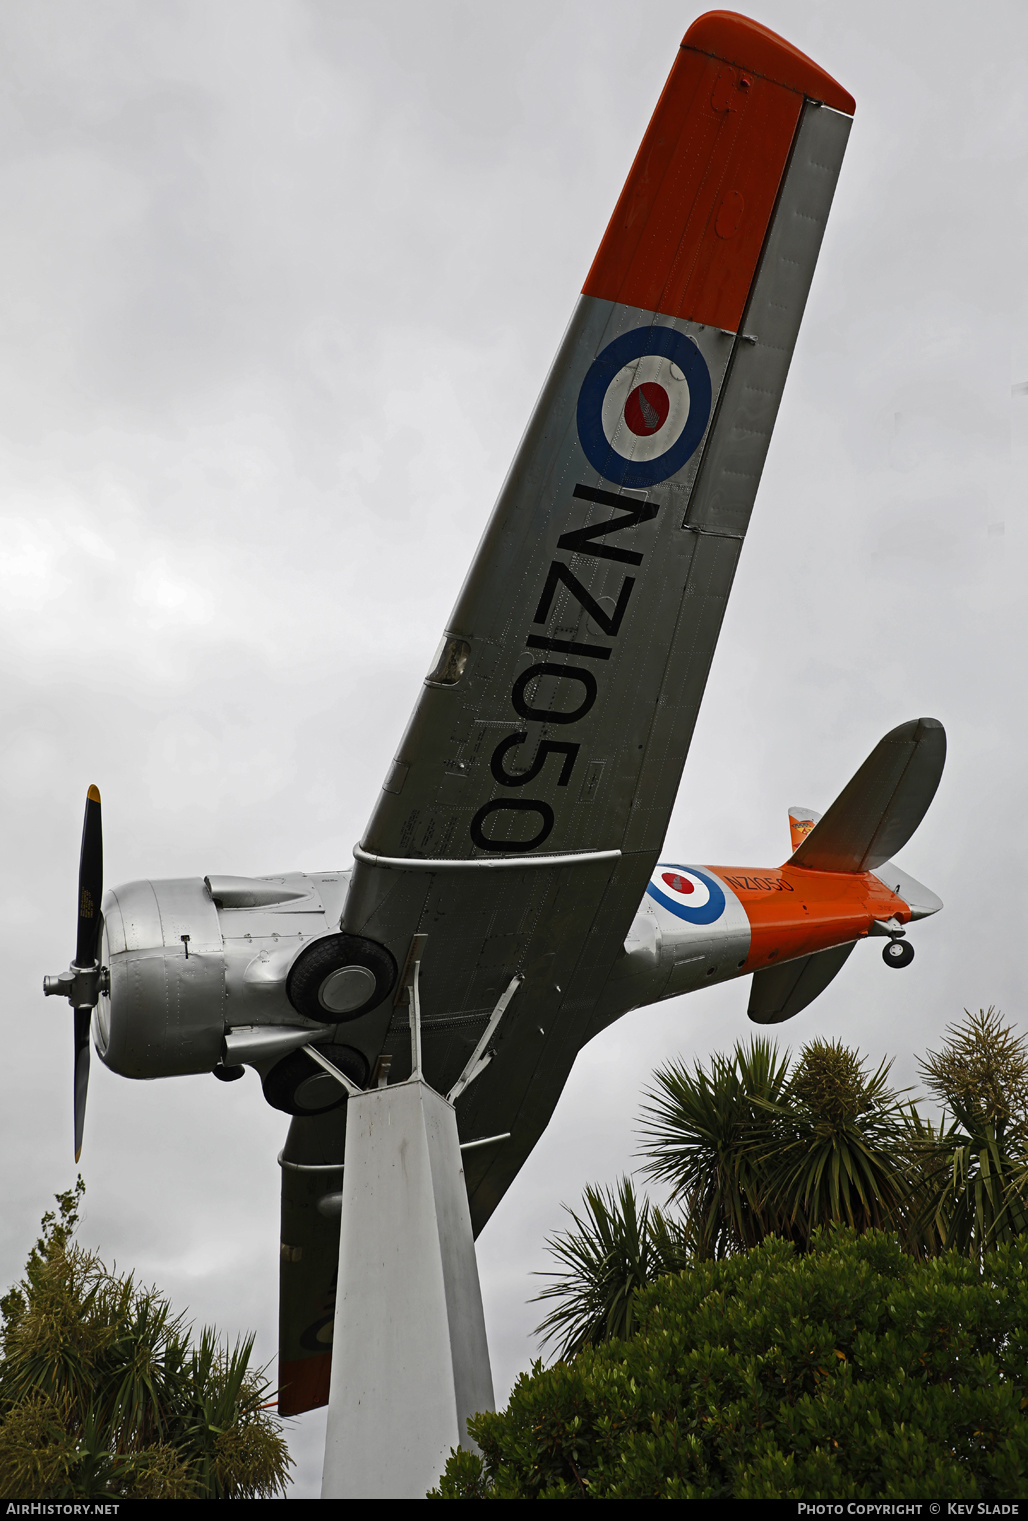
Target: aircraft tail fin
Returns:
[[801, 822], [879, 809]]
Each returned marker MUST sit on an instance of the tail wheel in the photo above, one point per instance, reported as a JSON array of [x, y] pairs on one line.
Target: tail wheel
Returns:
[[297, 1085], [898, 953], [340, 977]]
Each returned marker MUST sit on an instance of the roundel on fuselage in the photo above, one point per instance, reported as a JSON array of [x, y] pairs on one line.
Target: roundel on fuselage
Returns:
[[688, 893], [643, 406]]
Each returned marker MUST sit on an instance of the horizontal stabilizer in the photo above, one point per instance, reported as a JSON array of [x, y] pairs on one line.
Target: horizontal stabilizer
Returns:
[[919, 899], [779, 992], [876, 813]]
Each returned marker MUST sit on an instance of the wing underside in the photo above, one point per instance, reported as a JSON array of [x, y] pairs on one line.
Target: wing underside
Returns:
[[312, 1180], [528, 802]]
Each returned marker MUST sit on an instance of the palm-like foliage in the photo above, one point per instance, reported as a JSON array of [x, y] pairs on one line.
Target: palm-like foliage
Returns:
[[103, 1391], [752, 1148], [980, 1198], [974, 1185], [706, 1133], [835, 1152], [615, 1248]]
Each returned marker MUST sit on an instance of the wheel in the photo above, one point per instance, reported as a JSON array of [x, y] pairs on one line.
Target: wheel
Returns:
[[340, 977], [898, 953], [297, 1085]]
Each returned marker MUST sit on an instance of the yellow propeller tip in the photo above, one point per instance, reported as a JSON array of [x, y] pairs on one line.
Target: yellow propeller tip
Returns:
[[93, 794], [78, 1153]]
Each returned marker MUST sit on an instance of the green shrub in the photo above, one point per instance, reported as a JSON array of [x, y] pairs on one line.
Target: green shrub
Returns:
[[105, 1393], [853, 1371]]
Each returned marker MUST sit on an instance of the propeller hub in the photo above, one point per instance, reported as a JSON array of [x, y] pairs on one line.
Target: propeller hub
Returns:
[[80, 985]]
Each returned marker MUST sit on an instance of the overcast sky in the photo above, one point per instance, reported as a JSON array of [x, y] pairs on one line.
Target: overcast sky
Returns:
[[279, 283]]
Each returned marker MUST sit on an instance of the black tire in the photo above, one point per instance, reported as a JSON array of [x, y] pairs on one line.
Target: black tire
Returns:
[[898, 953], [285, 1084], [334, 953]]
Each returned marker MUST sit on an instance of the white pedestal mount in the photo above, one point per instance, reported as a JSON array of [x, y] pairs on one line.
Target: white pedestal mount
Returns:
[[410, 1361]]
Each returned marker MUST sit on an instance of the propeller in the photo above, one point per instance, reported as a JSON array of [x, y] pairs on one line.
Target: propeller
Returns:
[[85, 979]]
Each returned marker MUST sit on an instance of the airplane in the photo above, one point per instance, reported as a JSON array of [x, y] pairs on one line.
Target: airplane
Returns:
[[513, 861]]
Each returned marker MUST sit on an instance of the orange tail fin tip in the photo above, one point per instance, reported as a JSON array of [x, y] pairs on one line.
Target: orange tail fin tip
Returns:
[[801, 822]]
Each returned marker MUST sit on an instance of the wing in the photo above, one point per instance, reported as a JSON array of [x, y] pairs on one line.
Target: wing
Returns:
[[312, 1180], [530, 795]]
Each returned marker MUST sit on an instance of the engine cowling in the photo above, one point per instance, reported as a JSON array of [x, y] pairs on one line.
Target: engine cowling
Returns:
[[192, 961]]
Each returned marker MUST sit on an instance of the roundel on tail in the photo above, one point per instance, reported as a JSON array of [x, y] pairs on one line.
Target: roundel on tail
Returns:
[[644, 405], [688, 893]]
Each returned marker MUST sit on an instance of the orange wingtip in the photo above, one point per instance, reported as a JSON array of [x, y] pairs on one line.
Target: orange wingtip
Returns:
[[687, 231], [93, 794], [736, 39], [303, 1383]]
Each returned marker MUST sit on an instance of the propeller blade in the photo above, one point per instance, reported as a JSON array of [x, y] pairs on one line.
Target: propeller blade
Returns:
[[87, 945], [91, 883], [82, 1019]]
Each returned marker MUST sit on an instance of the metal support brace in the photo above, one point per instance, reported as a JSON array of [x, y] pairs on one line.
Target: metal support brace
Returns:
[[414, 997], [332, 1071], [482, 1056]]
